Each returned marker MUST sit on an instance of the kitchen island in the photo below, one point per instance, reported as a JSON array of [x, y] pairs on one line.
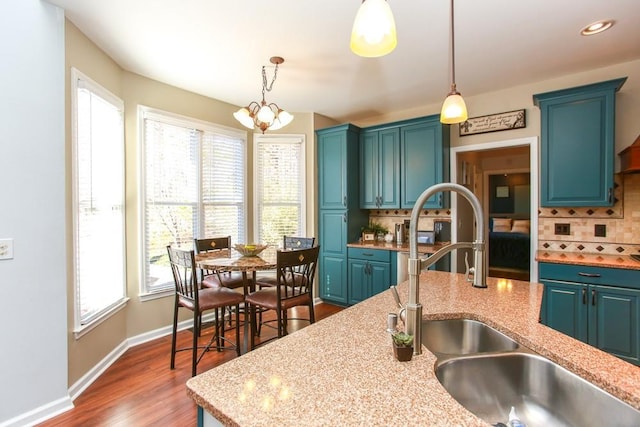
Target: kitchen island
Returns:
[[341, 370]]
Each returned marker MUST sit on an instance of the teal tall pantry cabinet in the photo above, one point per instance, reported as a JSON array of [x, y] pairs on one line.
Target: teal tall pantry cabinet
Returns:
[[340, 218]]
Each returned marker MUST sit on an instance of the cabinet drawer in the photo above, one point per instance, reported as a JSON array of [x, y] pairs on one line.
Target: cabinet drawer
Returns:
[[370, 254], [590, 275]]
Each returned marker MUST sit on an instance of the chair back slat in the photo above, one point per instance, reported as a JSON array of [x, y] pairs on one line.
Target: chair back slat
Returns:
[[296, 270], [212, 244], [292, 242], [185, 277]]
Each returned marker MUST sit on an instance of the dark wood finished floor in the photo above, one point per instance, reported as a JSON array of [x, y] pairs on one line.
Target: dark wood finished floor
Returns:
[[140, 390]]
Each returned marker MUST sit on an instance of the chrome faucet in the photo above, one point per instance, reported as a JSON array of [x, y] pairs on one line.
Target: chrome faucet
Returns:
[[411, 313]]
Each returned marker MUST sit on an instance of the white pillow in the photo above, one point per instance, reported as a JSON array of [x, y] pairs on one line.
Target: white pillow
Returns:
[[502, 224], [521, 226]]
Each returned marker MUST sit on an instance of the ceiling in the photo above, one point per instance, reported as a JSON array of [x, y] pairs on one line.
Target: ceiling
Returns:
[[217, 48]]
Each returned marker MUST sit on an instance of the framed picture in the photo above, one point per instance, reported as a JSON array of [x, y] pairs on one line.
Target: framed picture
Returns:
[[502, 191], [368, 236]]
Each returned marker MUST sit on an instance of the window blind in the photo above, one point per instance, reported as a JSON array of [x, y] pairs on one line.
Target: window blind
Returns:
[[98, 200], [280, 188], [193, 187]]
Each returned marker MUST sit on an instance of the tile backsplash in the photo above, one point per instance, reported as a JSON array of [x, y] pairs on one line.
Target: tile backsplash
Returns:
[[585, 224], [390, 217], [616, 222]]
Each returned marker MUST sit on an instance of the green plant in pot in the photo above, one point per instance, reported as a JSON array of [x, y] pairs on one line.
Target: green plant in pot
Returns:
[[377, 229], [402, 346]]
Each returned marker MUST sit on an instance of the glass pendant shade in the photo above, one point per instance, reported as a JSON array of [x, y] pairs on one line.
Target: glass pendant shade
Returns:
[[374, 30], [454, 110], [282, 119], [266, 115], [244, 117]]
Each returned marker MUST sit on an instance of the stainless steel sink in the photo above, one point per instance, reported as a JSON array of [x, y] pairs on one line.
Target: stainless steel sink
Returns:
[[463, 336], [542, 392]]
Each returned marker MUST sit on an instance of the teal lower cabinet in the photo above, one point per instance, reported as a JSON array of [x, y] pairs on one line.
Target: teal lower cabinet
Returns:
[[371, 271], [600, 306]]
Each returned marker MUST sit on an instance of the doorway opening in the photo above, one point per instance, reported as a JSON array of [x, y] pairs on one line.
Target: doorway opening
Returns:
[[504, 177]]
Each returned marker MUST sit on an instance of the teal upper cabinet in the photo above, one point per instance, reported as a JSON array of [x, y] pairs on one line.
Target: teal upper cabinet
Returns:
[[399, 160], [424, 152], [577, 144], [338, 167], [380, 168]]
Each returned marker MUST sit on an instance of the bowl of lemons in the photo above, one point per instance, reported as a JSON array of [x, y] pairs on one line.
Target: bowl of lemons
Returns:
[[250, 249]]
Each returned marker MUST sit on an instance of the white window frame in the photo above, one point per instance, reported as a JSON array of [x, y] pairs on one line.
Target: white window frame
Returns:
[[82, 326], [147, 292], [293, 139]]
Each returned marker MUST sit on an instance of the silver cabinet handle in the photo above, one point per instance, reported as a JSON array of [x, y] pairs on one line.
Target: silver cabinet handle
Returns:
[[588, 274]]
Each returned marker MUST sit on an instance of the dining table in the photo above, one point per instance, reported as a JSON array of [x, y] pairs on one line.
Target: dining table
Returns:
[[229, 259]]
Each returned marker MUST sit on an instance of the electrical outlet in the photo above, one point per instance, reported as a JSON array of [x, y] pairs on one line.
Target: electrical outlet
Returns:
[[600, 230], [6, 248], [562, 229]]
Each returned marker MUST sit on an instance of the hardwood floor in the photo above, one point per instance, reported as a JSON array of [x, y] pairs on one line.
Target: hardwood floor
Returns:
[[140, 389]]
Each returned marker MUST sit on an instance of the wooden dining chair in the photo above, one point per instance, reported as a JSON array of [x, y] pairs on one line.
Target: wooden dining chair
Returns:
[[214, 279], [289, 243], [190, 295], [295, 272]]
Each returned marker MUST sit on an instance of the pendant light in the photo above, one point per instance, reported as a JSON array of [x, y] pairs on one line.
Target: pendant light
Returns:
[[454, 110], [260, 114], [374, 29]]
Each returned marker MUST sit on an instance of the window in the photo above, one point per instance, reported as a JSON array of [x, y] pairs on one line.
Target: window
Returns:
[[279, 187], [98, 202], [193, 177]]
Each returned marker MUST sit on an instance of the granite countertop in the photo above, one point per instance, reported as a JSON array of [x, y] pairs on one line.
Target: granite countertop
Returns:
[[341, 370], [403, 247], [588, 259]]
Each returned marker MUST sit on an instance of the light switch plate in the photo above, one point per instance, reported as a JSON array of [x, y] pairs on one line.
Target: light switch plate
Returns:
[[6, 248]]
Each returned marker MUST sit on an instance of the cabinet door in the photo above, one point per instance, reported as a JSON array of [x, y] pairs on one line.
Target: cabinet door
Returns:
[[358, 281], [380, 275], [422, 163], [332, 170], [566, 309], [614, 321], [369, 196], [578, 124], [389, 168], [380, 169], [333, 258]]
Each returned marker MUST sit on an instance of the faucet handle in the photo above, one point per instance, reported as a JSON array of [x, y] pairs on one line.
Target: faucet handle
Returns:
[[469, 271]]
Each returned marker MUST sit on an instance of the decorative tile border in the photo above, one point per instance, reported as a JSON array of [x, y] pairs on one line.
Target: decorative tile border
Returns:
[[615, 211]]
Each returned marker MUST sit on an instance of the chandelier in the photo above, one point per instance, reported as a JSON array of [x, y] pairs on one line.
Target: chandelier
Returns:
[[260, 114]]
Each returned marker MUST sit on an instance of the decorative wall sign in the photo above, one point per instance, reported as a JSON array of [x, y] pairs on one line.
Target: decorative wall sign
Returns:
[[494, 123]]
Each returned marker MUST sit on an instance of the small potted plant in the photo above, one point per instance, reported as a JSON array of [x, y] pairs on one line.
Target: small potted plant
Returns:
[[402, 346], [377, 229]]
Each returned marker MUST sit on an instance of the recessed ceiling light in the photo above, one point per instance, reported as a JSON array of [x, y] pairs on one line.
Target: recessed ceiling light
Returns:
[[597, 27]]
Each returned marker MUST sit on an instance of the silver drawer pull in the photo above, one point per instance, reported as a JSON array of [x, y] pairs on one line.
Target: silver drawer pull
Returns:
[[589, 274]]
